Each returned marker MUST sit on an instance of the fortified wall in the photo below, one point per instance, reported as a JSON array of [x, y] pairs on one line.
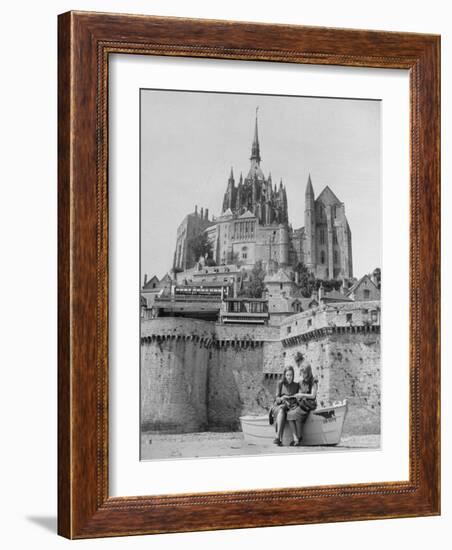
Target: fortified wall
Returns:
[[198, 375], [342, 344]]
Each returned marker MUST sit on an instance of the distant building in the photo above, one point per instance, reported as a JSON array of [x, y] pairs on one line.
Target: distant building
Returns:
[[192, 225], [254, 226], [151, 288], [201, 273], [363, 290], [245, 311]]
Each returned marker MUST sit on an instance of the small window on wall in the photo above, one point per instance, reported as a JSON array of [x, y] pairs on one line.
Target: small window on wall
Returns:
[[366, 293], [349, 317], [322, 257]]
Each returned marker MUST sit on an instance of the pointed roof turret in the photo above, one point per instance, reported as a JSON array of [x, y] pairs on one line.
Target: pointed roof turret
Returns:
[[231, 176], [255, 150], [309, 188]]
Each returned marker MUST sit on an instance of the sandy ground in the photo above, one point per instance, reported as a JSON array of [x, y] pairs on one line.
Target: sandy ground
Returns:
[[207, 444]]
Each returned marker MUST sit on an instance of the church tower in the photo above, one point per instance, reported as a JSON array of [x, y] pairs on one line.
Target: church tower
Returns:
[[309, 225]]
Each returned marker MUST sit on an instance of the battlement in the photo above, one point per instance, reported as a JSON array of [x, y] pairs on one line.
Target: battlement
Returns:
[[206, 333], [340, 317]]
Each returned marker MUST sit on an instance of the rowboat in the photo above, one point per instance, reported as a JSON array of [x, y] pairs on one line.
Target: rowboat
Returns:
[[322, 427]]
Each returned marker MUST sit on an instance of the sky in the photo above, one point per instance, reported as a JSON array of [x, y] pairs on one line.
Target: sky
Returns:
[[190, 141]]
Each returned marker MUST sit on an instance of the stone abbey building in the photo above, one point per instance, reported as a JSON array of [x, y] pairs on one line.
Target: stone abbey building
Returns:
[[254, 226]]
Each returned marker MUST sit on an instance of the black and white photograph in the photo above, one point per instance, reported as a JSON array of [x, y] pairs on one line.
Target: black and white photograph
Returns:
[[261, 274], [225, 258]]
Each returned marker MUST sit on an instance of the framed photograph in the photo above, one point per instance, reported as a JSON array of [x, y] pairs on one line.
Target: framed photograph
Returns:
[[249, 289]]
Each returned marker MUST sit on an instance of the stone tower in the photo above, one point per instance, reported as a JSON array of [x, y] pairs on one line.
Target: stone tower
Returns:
[[333, 239], [309, 225]]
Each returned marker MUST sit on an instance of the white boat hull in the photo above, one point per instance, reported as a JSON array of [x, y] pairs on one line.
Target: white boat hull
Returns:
[[322, 427]]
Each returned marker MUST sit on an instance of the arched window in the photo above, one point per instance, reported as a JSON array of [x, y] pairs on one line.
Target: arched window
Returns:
[[322, 235], [336, 257], [322, 257]]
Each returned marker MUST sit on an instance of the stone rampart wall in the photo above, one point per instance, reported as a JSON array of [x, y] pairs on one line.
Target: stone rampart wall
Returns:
[[198, 375]]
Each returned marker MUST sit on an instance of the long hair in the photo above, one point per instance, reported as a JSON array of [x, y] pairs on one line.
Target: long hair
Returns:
[[308, 377], [287, 369]]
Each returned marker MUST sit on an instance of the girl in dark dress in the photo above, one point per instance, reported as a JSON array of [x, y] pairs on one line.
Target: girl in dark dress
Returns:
[[285, 402]]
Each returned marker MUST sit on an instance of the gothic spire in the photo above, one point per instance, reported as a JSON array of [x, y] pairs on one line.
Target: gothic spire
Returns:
[[231, 176], [309, 189], [255, 152]]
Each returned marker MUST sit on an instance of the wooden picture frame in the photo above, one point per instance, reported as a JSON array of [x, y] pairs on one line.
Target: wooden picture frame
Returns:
[[85, 42]]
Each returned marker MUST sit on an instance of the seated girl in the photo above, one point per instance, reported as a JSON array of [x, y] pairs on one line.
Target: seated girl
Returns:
[[294, 401]]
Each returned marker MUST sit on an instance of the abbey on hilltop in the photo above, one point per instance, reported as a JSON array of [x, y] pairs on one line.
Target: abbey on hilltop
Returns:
[[249, 295], [254, 226]]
